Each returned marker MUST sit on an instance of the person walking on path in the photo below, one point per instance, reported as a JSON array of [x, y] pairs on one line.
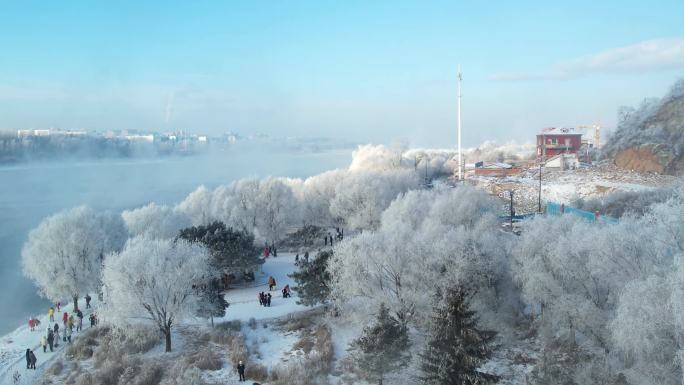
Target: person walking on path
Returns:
[[271, 283], [241, 370], [59, 304], [56, 333], [28, 358], [65, 318], [51, 314], [43, 343], [33, 360], [67, 334], [70, 322], [268, 300], [88, 298], [79, 313], [50, 338], [31, 323]]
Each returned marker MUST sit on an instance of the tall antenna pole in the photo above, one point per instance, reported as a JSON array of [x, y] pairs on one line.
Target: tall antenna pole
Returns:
[[460, 159]]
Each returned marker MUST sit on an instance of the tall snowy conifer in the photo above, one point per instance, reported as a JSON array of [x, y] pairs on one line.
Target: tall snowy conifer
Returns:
[[382, 348], [313, 280], [456, 347]]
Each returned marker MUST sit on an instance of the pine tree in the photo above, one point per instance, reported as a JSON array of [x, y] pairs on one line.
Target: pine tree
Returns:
[[211, 301], [456, 347], [313, 280], [230, 249], [382, 348]]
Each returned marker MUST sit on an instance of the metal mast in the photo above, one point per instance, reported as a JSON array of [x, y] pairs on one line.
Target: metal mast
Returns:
[[458, 112]]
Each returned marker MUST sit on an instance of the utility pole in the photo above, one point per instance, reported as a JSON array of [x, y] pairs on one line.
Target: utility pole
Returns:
[[460, 170], [540, 172], [511, 192]]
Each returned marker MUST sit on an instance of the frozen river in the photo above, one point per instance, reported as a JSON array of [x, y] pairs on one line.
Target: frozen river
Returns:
[[30, 192]]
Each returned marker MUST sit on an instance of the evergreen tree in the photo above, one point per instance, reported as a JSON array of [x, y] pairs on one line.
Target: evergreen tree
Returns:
[[313, 279], [382, 348], [456, 347], [211, 301], [230, 249]]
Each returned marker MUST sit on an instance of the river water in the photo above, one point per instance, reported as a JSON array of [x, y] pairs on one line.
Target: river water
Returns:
[[29, 192]]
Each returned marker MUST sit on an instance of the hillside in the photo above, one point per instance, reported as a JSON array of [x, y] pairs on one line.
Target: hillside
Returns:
[[651, 138]]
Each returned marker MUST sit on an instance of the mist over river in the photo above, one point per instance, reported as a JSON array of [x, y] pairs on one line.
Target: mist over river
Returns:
[[31, 191]]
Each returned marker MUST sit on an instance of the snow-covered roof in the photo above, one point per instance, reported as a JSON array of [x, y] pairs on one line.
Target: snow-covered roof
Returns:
[[559, 131], [498, 165]]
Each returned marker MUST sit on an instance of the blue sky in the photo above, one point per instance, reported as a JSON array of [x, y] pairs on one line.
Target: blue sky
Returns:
[[369, 71]]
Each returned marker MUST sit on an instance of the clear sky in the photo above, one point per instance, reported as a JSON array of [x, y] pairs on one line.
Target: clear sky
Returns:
[[369, 71]]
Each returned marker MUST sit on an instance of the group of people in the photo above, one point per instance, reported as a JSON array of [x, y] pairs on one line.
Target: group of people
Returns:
[[265, 299], [339, 236], [30, 359], [270, 250], [52, 336]]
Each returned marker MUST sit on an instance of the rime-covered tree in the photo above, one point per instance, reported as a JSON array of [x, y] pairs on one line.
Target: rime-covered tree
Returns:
[[230, 249], [64, 254], [155, 221], [456, 347], [427, 237], [361, 197], [382, 348], [211, 300], [197, 206], [313, 280], [276, 209], [152, 279]]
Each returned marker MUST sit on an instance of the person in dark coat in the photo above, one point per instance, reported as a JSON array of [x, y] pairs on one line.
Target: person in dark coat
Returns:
[[88, 298], [50, 338], [33, 360], [28, 358], [241, 370], [79, 313], [268, 300]]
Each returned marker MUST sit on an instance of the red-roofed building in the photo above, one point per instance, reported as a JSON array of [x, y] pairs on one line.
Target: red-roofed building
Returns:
[[555, 141]]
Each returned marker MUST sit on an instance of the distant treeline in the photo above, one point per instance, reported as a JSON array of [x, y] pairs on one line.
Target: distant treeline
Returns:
[[15, 149]]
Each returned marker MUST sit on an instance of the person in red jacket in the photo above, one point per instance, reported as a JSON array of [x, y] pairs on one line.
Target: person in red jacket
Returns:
[[65, 318]]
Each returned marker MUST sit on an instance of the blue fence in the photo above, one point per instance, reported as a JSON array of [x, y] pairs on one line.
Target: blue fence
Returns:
[[555, 209]]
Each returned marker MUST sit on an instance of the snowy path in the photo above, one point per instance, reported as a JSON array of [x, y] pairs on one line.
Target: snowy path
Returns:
[[244, 304], [13, 348]]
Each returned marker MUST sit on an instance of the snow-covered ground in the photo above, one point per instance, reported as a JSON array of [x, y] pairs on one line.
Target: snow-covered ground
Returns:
[[569, 186], [274, 345], [244, 302], [13, 346]]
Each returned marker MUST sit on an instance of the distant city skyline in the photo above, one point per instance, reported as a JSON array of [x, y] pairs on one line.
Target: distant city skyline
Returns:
[[355, 70]]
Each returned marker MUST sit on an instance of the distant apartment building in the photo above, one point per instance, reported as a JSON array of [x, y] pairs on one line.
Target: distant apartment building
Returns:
[[140, 138], [33, 132]]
